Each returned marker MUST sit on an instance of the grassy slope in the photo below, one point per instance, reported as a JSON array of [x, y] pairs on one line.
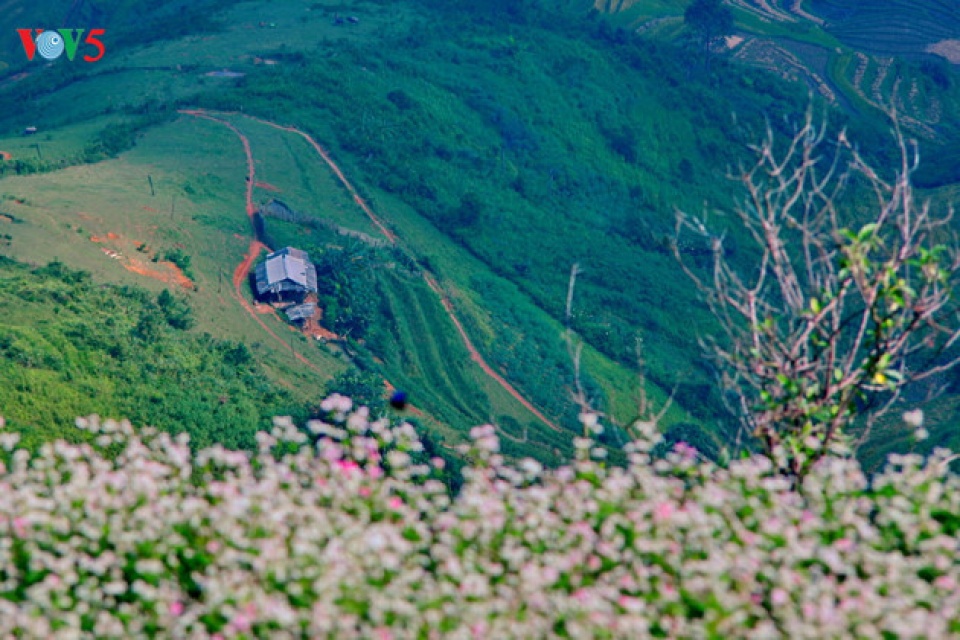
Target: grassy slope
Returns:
[[198, 164], [62, 211], [574, 148], [71, 346]]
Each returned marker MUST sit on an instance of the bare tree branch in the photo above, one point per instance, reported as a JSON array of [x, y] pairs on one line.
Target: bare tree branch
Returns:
[[839, 309]]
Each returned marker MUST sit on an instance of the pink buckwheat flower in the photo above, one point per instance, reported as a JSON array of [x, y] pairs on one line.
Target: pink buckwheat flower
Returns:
[[663, 511]]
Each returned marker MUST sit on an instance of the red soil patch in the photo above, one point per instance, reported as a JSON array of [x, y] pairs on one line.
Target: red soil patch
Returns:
[[267, 186], [4, 218], [179, 276], [6, 155], [312, 327], [87, 216], [316, 331], [165, 271], [111, 236], [174, 276], [150, 209]]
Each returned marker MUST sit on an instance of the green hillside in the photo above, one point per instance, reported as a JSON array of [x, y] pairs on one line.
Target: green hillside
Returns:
[[500, 144], [72, 347], [862, 57]]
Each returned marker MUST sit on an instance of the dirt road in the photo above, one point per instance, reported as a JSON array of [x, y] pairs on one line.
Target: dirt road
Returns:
[[242, 271], [431, 281], [255, 247]]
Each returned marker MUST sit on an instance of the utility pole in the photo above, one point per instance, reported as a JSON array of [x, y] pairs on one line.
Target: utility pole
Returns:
[[173, 205], [150, 180]]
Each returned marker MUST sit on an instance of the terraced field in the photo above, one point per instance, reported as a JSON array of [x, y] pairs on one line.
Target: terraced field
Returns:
[[894, 27], [864, 57]]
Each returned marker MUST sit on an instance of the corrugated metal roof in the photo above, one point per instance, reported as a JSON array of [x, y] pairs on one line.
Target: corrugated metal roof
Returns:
[[301, 311], [286, 270]]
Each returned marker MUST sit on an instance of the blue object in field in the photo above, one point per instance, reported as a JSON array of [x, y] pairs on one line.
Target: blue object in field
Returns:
[[399, 400]]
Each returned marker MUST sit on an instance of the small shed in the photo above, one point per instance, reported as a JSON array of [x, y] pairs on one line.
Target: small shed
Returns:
[[287, 274], [29, 131], [301, 312]]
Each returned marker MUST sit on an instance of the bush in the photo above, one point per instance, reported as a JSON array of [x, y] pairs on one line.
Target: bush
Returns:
[[176, 311], [181, 259]]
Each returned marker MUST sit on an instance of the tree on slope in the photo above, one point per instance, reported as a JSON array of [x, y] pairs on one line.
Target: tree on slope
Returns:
[[842, 311], [710, 20]]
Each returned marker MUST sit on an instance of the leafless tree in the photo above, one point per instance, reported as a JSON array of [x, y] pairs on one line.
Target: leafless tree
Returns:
[[843, 309]]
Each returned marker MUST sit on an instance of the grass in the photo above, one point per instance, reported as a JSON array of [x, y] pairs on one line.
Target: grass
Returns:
[[500, 152], [302, 179], [801, 31], [196, 179], [72, 346]]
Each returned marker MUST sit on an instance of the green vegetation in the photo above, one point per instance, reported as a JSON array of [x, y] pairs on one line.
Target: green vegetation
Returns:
[[710, 20], [179, 258], [530, 167], [501, 143], [70, 347]]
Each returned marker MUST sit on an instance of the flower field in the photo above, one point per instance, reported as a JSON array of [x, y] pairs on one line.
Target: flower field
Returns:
[[342, 530]]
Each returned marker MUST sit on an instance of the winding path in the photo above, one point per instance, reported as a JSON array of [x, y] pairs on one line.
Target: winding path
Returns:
[[255, 247], [243, 269]]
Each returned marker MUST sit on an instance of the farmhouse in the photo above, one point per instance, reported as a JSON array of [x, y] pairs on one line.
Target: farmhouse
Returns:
[[286, 275]]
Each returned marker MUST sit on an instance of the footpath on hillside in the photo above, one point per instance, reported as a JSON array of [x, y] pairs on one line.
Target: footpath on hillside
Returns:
[[241, 273], [243, 269]]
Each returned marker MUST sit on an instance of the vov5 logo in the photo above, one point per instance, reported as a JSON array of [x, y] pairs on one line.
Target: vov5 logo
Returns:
[[53, 44]]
